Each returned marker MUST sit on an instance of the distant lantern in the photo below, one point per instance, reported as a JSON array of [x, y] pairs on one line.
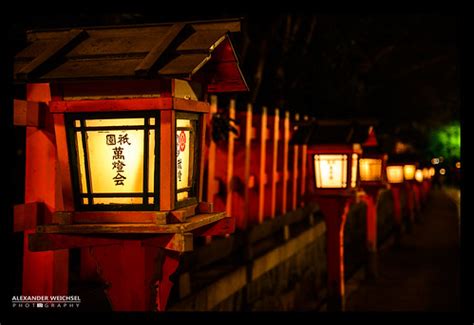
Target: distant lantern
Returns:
[[335, 170], [432, 171], [409, 171], [426, 173], [333, 160], [395, 174], [419, 175], [370, 169]]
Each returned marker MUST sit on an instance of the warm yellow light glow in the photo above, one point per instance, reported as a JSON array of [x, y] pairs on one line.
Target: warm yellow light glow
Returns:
[[115, 122], [115, 168], [331, 171], [409, 172], [370, 169], [458, 164], [435, 161], [432, 171], [185, 135], [419, 175], [354, 170], [114, 160], [426, 173], [395, 174], [442, 171]]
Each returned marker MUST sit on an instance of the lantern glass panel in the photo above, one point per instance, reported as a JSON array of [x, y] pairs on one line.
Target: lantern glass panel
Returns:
[[370, 169], [113, 162], [186, 156], [330, 170], [395, 174], [409, 172]]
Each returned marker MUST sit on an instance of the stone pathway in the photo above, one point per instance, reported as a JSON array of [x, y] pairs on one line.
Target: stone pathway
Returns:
[[422, 274]]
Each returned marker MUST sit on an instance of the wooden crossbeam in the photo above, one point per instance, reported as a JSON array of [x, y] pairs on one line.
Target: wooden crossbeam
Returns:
[[27, 215], [28, 113]]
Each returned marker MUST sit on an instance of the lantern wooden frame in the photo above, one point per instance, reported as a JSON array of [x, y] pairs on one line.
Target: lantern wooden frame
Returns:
[[383, 177], [335, 149]]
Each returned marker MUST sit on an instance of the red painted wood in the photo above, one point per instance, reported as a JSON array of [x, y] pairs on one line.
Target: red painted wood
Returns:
[[100, 89], [410, 200], [65, 192], [164, 284], [371, 140], [371, 219], [426, 189], [167, 160], [397, 210], [220, 228], [135, 104], [27, 216], [417, 196], [44, 273], [335, 210], [122, 268], [240, 193], [222, 72], [43, 241]]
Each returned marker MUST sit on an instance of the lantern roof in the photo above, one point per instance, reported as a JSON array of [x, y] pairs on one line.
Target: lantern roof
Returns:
[[198, 50], [334, 132]]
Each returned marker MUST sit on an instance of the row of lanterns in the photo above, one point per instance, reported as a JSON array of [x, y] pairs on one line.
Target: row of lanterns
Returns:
[[338, 171]]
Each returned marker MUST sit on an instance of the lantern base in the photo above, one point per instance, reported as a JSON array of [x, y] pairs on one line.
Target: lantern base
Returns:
[[192, 223], [176, 237]]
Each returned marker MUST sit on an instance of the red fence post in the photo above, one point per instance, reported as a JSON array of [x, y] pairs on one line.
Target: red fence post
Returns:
[[335, 209]]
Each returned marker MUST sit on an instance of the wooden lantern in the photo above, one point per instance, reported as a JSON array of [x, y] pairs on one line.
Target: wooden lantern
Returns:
[[395, 174], [409, 171], [426, 173], [419, 175], [115, 134], [333, 152]]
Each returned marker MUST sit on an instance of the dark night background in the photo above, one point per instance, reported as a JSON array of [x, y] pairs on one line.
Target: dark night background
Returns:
[[401, 69]]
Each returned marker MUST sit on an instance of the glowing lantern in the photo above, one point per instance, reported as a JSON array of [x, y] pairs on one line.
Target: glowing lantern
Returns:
[[336, 171], [426, 173], [409, 172], [116, 161], [432, 171], [333, 160], [419, 175], [395, 174], [129, 136], [370, 169]]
